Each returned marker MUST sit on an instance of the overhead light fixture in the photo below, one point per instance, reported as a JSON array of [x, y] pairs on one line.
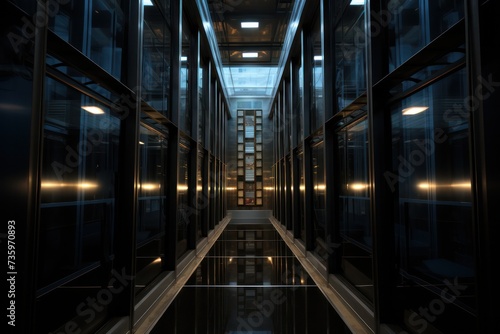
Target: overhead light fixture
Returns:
[[184, 58], [357, 2], [93, 110], [247, 25], [414, 110], [141, 143], [147, 3], [318, 58], [250, 54]]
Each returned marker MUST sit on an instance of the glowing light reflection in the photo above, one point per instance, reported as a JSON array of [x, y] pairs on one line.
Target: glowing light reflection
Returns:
[[357, 186], [427, 185], [79, 185]]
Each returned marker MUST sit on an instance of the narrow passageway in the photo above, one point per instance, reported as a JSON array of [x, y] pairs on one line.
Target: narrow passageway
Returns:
[[249, 282]]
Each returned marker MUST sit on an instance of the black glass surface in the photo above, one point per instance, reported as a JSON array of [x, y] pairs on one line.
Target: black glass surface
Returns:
[[250, 282]]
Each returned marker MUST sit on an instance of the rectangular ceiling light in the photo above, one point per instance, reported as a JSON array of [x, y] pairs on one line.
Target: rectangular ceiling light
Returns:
[[414, 110], [249, 24], [93, 110], [250, 54], [357, 2], [318, 58], [147, 3]]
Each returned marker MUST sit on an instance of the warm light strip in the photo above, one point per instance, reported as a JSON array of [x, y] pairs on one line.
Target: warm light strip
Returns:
[[93, 110], [414, 110], [150, 186], [427, 185], [461, 185], [357, 186], [80, 185]]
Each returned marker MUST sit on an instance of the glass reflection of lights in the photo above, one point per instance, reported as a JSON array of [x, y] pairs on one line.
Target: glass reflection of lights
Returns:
[[357, 186], [427, 185], [93, 110], [149, 186], [79, 185], [182, 187], [414, 110]]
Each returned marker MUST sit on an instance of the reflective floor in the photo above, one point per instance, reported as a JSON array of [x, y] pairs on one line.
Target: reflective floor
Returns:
[[250, 282]]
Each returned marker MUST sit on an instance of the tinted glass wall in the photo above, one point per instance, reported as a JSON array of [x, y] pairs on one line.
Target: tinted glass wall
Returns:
[[109, 184], [402, 160]]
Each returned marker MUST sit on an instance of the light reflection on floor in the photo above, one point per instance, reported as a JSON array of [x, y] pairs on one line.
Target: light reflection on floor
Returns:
[[250, 282]]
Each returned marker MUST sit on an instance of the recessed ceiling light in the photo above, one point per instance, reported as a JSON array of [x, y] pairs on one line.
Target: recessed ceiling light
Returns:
[[357, 2], [414, 110], [250, 54], [147, 3], [249, 24], [93, 110], [184, 58], [318, 58]]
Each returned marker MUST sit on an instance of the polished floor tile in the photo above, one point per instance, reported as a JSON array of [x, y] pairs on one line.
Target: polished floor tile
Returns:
[[250, 282]]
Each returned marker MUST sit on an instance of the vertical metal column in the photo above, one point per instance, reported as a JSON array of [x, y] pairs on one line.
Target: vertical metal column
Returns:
[[379, 134]]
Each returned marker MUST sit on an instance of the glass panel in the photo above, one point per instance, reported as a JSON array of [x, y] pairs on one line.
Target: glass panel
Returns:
[[77, 205], [183, 200], [302, 193], [77, 189], [96, 28], [202, 101], [202, 197], [354, 215], [151, 207], [156, 60], [350, 56], [431, 178], [318, 199], [184, 86], [317, 107], [250, 80], [414, 23]]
